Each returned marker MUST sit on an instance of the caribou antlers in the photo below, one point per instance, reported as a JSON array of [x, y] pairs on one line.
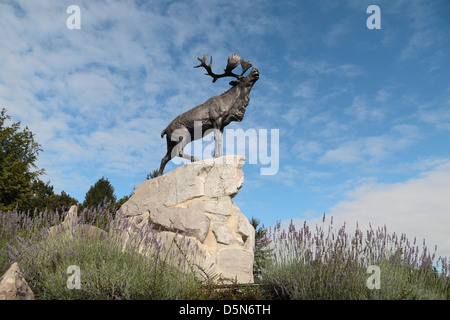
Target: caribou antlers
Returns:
[[233, 62]]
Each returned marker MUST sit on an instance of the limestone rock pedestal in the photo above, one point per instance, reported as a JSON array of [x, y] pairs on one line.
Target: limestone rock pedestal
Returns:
[[193, 204]]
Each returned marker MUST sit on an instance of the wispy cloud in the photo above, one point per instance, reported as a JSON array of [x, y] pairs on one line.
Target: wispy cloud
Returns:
[[305, 90], [372, 149], [417, 43], [361, 111], [324, 67], [437, 111], [420, 18], [307, 150], [336, 33]]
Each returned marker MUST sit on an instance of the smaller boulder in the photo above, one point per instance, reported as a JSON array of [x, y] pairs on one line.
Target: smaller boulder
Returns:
[[13, 285], [70, 227]]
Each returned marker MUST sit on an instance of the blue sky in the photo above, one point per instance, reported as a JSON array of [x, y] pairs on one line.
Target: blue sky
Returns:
[[363, 115]]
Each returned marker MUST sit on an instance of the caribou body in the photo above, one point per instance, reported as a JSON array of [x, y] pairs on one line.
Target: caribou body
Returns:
[[214, 114]]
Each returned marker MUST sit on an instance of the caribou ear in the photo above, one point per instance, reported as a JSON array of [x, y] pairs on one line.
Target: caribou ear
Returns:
[[233, 83]]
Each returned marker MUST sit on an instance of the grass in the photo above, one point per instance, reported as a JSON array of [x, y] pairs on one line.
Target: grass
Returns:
[[304, 263]]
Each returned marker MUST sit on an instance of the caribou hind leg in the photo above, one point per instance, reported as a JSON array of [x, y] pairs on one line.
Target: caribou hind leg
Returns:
[[164, 162], [187, 156], [184, 140], [169, 155], [176, 149]]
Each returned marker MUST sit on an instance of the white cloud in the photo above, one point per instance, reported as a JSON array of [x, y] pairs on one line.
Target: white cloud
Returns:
[[331, 126], [383, 95], [336, 33], [295, 114], [307, 150], [324, 67], [288, 175], [305, 90], [437, 111], [350, 152], [421, 18], [419, 42], [372, 149], [419, 207], [362, 111]]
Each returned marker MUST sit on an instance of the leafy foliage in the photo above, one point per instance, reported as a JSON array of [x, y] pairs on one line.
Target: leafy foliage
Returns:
[[45, 198], [122, 200], [20, 185], [98, 194], [18, 154]]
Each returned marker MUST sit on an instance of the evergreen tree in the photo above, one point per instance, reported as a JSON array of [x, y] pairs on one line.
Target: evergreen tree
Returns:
[[122, 201], [262, 252], [45, 198], [64, 201], [18, 153], [153, 174], [98, 194]]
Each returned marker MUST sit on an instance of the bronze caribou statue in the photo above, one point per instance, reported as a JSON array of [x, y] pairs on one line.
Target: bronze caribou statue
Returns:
[[215, 114]]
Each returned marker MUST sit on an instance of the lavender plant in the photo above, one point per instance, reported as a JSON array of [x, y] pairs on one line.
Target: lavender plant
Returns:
[[329, 263], [324, 262], [15, 224], [109, 270]]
